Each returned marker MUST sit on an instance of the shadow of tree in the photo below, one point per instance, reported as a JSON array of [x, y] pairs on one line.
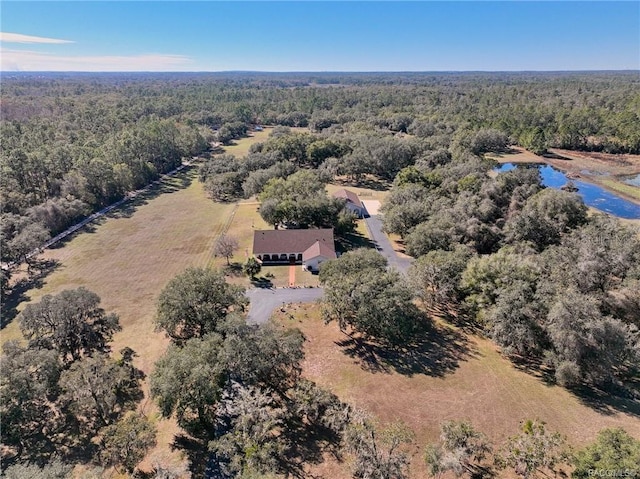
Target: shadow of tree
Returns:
[[173, 184], [234, 269], [201, 461], [533, 366], [18, 292], [262, 282], [453, 313], [352, 241], [308, 445], [434, 351], [181, 180], [88, 228], [614, 399], [370, 182]]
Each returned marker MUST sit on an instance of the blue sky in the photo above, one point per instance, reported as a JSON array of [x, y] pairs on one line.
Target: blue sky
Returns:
[[319, 36]]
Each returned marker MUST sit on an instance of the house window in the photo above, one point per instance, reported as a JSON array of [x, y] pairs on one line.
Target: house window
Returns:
[[266, 257], [283, 257], [300, 257]]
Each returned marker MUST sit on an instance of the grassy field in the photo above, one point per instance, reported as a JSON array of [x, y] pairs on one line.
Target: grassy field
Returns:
[[516, 155], [129, 257], [240, 147], [454, 376]]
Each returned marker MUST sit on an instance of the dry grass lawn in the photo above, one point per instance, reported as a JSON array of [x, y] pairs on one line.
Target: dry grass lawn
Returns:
[[129, 257], [466, 378], [245, 219], [240, 148], [516, 155]]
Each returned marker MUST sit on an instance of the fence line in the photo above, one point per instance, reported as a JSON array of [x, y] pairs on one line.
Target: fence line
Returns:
[[89, 219]]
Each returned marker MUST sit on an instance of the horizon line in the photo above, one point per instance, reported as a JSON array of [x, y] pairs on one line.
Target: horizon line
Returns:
[[630, 70]]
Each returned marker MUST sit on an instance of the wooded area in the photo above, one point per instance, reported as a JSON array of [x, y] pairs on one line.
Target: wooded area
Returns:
[[556, 287]]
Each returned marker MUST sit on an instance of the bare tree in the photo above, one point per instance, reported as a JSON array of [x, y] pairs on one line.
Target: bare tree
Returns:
[[225, 246]]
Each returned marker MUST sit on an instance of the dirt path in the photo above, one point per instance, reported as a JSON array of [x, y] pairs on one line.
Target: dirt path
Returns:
[[292, 276]]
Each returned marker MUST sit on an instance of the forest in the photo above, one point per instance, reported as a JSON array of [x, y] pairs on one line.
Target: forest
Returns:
[[555, 286]]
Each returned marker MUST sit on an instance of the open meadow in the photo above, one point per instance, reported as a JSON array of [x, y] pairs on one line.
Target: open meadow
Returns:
[[454, 375], [240, 147], [128, 257]]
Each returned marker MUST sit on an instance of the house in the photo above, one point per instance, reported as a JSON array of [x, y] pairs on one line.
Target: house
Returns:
[[308, 247], [353, 203]]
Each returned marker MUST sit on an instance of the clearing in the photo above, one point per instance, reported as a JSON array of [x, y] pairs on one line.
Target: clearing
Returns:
[[240, 147], [128, 257], [453, 376]]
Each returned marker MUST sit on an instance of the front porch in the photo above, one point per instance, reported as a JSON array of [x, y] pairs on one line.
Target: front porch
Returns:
[[279, 258]]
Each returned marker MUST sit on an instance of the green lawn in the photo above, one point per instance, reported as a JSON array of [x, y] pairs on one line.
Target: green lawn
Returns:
[[240, 147]]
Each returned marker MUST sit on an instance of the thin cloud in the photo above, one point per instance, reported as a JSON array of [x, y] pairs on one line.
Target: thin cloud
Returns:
[[19, 38], [21, 60]]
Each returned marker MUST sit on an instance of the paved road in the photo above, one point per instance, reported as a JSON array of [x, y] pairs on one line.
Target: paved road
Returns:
[[265, 301], [383, 245]]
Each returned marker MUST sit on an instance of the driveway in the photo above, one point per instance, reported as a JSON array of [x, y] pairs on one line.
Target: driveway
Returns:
[[264, 301], [381, 240]]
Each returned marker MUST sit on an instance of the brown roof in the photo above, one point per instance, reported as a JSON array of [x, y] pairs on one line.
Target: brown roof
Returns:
[[350, 196], [290, 241], [319, 249]]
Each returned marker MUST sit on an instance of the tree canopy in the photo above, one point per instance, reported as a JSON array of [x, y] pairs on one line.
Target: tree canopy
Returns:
[[361, 294], [197, 302], [71, 322]]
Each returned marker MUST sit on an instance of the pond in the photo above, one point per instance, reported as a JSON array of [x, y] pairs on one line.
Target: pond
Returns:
[[593, 195], [633, 181]]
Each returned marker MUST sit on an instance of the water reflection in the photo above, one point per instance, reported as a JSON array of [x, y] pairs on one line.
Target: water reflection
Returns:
[[593, 195]]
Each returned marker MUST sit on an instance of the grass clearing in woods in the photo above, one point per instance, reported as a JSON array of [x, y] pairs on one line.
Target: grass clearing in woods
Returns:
[[128, 257], [464, 377], [240, 147]]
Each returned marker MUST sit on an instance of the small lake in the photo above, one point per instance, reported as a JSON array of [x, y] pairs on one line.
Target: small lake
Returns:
[[592, 195]]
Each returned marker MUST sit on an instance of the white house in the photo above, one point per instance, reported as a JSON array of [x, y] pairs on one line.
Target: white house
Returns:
[[353, 203], [315, 254], [308, 247]]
